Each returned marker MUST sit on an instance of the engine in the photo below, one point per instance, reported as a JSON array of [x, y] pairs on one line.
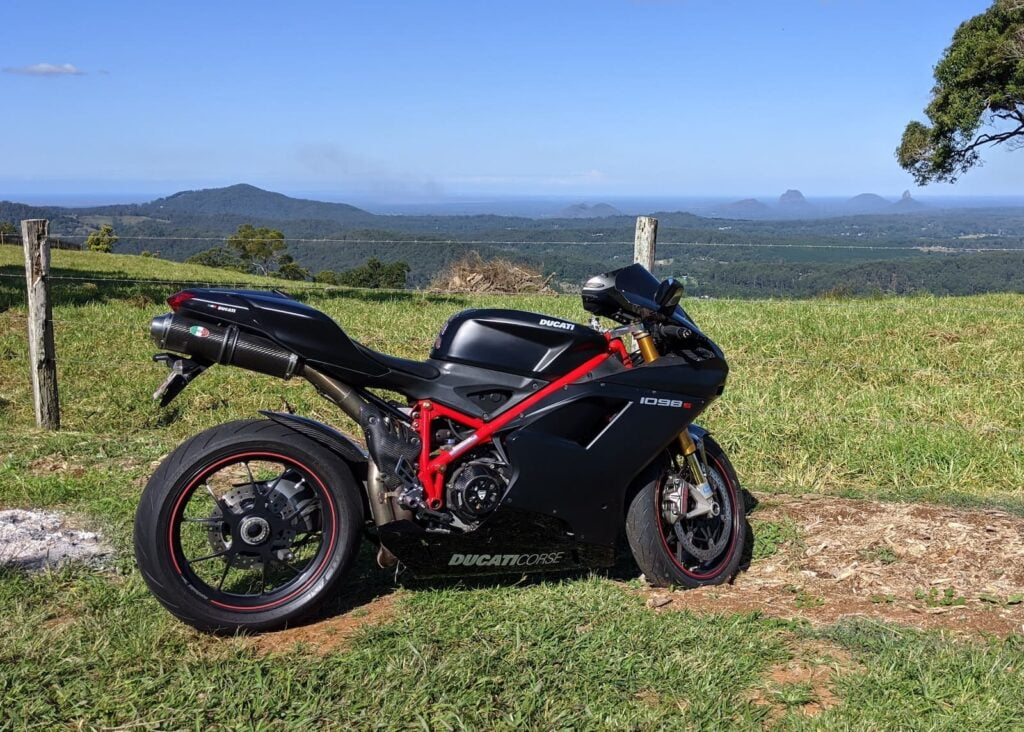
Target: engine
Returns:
[[477, 486]]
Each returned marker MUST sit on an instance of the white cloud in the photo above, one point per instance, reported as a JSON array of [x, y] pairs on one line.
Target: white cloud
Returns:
[[45, 70]]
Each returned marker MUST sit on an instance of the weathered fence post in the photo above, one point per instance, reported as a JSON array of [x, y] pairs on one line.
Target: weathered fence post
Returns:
[[41, 353], [643, 243]]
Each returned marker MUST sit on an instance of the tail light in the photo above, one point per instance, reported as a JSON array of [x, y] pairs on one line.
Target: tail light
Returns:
[[176, 300]]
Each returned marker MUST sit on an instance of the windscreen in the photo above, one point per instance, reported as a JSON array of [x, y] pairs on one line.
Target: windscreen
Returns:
[[638, 287]]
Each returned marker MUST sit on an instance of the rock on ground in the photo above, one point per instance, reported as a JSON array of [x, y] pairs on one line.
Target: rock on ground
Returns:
[[41, 539]]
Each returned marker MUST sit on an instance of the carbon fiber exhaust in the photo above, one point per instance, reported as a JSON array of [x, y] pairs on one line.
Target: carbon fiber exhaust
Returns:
[[227, 345]]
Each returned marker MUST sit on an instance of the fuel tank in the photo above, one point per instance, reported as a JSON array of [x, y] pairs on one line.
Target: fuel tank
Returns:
[[518, 342]]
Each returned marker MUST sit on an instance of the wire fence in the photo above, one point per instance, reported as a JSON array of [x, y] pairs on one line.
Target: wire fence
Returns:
[[885, 302]]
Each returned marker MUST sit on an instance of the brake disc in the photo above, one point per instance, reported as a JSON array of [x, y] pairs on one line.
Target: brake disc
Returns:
[[292, 498], [292, 501], [239, 499], [698, 535]]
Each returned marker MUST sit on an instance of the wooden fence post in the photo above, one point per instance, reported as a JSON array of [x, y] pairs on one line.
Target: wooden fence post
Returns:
[[41, 353], [644, 242]]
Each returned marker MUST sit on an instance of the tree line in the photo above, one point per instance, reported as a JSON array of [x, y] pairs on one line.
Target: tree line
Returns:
[[264, 251]]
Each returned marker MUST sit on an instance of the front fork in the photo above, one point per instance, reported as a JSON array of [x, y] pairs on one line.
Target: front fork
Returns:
[[703, 496]]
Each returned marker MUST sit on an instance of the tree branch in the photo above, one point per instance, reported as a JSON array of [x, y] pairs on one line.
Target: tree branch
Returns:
[[994, 138]]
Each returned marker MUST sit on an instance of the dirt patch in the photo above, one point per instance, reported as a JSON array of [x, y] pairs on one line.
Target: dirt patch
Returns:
[[330, 634], [923, 566], [804, 682], [36, 540]]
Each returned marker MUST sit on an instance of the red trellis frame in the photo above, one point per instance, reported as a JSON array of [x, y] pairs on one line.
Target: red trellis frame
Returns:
[[431, 469]]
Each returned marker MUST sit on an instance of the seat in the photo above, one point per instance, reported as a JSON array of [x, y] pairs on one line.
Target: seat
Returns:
[[320, 341], [419, 369]]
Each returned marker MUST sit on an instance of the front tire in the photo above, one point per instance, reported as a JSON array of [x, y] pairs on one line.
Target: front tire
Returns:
[[247, 526], [694, 552]]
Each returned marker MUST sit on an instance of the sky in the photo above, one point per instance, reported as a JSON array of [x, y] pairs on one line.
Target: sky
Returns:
[[421, 100]]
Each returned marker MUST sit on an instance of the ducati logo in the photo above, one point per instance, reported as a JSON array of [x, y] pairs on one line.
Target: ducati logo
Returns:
[[556, 324], [504, 560]]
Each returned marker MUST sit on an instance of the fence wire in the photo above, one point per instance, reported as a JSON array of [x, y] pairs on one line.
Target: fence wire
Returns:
[[286, 286]]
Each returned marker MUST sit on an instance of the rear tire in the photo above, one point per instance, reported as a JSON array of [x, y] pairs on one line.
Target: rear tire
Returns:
[[655, 545], [330, 499]]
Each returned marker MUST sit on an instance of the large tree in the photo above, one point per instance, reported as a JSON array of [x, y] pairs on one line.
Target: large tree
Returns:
[[289, 269], [102, 240], [374, 274], [258, 248], [977, 100]]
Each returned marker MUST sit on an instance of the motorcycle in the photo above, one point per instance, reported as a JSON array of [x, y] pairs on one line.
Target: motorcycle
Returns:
[[525, 443]]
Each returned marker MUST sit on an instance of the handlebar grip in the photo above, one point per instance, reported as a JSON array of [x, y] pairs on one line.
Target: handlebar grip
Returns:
[[676, 331]]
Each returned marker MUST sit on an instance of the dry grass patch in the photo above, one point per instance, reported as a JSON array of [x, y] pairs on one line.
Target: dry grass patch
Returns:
[[923, 566]]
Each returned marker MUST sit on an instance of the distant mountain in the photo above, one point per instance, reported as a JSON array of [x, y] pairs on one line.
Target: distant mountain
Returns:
[[586, 211], [907, 203], [246, 200], [748, 208], [793, 198], [867, 203]]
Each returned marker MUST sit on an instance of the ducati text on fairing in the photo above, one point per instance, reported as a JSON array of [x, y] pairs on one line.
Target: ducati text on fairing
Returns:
[[522, 443]]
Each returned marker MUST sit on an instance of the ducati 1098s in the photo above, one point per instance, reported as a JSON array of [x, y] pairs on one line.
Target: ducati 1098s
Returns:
[[523, 443]]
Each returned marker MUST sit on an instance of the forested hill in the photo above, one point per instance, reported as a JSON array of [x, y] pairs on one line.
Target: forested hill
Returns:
[[249, 201], [942, 251]]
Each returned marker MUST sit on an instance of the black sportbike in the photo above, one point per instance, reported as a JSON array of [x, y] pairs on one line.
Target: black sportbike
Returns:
[[523, 443]]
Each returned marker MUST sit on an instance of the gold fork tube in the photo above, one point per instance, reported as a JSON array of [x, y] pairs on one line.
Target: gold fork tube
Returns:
[[647, 348], [650, 353]]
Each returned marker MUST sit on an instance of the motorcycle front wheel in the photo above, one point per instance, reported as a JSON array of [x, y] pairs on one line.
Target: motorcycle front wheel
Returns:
[[673, 550], [247, 527]]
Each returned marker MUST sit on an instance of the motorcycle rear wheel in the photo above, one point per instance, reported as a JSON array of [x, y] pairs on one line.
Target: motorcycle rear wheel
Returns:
[[247, 526], [695, 552]]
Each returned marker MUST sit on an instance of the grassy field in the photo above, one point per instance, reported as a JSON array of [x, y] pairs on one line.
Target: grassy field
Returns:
[[918, 399]]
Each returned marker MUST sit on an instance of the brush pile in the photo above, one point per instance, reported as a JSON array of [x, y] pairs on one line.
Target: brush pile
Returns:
[[474, 274]]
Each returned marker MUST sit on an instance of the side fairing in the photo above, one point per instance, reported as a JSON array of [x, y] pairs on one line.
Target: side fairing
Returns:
[[576, 455]]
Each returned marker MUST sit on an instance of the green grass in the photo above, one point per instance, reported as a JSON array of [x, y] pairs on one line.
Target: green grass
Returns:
[[771, 536], [917, 399]]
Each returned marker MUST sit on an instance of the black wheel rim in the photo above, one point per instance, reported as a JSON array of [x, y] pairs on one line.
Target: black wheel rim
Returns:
[[252, 531], [704, 531]]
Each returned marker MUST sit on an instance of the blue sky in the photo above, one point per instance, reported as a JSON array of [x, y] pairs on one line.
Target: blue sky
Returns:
[[418, 100]]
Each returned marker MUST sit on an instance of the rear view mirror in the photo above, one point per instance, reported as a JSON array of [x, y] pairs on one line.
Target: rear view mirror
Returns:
[[668, 294]]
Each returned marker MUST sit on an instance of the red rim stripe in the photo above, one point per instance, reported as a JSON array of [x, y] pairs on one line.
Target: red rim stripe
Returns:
[[235, 458]]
